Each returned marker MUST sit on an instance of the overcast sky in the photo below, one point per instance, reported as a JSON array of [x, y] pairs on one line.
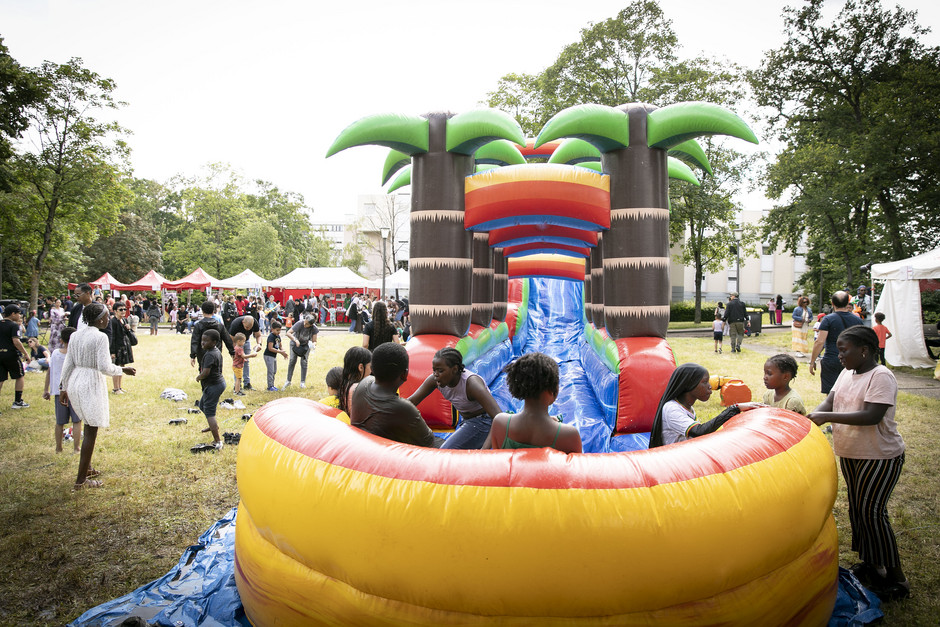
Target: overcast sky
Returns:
[[267, 86]]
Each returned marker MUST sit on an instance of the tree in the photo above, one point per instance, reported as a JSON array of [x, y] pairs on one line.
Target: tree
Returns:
[[289, 217], [319, 251], [71, 181], [854, 103], [261, 249], [128, 253], [619, 60], [352, 256], [703, 218], [391, 212], [21, 91]]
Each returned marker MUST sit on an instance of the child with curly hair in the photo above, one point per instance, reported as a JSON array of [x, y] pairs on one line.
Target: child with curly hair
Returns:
[[779, 370], [533, 378]]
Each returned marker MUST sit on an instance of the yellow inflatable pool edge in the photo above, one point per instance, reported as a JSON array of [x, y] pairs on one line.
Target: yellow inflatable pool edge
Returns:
[[339, 527]]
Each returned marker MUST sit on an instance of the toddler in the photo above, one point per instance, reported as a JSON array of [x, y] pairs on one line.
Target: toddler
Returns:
[[238, 362], [271, 352], [334, 379], [883, 334], [779, 370], [62, 412], [718, 329]]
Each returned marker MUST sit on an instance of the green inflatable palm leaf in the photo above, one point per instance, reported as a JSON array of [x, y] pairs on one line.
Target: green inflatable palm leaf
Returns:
[[691, 150], [675, 124], [394, 162], [603, 127], [403, 179], [680, 171], [499, 152], [467, 132], [575, 151], [405, 133]]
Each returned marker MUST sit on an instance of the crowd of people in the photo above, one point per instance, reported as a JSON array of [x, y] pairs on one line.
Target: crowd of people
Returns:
[[94, 339]]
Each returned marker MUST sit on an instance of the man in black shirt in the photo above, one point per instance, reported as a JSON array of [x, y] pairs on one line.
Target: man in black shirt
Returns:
[[10, 350], [830, 327], [249, 326], [735, 315]]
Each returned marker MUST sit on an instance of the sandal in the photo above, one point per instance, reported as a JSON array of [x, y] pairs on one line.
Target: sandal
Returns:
[[92, 473], [87, 483]]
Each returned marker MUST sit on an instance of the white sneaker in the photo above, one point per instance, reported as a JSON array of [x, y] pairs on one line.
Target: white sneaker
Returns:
[[20, 405], [286, 385], [303, 385]]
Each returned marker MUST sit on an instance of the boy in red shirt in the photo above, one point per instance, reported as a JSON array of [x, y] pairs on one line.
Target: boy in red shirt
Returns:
[[883, 334]]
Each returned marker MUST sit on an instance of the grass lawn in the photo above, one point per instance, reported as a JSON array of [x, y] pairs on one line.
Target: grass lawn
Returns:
[[62, 552]]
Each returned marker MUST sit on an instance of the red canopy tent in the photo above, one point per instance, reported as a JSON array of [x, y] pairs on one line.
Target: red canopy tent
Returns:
[[105, 282], [198, 279], [150, 282]]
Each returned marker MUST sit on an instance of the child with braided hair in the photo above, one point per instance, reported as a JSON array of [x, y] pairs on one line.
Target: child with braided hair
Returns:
[[468, 394], [779, 370]]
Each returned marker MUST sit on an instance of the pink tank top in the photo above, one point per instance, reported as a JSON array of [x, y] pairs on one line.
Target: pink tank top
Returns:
[[457, 395]]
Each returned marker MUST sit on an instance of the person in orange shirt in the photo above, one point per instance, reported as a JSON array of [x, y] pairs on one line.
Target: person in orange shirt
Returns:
[[883, 334]]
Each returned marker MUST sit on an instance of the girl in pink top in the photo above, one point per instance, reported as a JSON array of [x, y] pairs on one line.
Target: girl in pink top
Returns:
[[865, 436]]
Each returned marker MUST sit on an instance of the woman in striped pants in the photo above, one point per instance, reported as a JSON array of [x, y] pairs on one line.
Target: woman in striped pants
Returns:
[[861, 408]]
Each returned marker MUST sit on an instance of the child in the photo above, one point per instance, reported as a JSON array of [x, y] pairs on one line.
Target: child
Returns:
[[271, 353], [238, 362], [779, 370], [10, 350], [467, 393], [334, 378], [213, 384], [62, 412], [718, 328], [533, 378], [861, 407], [883, 334], [357, 365], [675, 419]]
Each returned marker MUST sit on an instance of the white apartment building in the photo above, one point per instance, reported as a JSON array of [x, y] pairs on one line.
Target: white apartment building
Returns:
[[763, 276]]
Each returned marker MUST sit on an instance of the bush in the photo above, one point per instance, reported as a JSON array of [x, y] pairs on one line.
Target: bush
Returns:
[[684, 311], [930, 306]]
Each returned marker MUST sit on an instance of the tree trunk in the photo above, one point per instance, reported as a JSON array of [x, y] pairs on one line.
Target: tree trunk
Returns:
[[40, 260]]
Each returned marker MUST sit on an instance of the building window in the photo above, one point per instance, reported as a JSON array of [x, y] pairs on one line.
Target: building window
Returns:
[[766, 281]]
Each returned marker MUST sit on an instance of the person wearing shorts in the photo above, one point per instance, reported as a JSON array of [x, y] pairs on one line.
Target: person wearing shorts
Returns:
[[11, 367], [63, 413]]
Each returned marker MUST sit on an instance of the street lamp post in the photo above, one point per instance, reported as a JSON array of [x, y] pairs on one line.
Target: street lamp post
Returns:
[[384, 233], [738, 234], [822, 257]]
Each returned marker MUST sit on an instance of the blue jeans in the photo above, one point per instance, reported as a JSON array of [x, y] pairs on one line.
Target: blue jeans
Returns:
[[471, 434], [246, 377]]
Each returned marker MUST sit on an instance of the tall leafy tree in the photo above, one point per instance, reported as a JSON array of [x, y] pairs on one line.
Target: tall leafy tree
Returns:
[[128, 253], [20, 91], [621, 59], [287, 214], [70, 179], [854, 103]]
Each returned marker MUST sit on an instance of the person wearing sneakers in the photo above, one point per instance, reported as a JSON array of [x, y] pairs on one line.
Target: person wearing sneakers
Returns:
[[213, 384], [11, 366], [303, 339], [735, 315]]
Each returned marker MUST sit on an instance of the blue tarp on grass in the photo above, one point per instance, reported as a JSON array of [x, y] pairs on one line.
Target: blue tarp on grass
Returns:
[[199, 591]]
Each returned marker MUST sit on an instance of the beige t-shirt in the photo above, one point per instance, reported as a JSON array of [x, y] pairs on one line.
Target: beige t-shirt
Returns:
[[851, 392], [791, 401]]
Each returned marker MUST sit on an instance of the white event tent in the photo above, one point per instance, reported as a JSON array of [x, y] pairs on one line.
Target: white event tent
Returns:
[[320, 279], [900, 303], [244, 280], [398, 280]]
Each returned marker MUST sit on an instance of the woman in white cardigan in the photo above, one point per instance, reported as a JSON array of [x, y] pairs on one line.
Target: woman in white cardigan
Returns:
[[87, 364]]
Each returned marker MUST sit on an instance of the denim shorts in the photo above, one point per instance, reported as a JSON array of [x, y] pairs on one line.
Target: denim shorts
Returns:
[[470, 434], [64, 413]]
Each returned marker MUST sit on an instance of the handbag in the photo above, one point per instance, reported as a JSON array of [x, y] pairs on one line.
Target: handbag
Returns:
[[131, 336], [302, 350], [797, 324]]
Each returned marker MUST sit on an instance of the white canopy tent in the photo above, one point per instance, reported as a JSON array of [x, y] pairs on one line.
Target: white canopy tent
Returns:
[[320, 279], [244, 280], [398, 280], [900, 303]]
